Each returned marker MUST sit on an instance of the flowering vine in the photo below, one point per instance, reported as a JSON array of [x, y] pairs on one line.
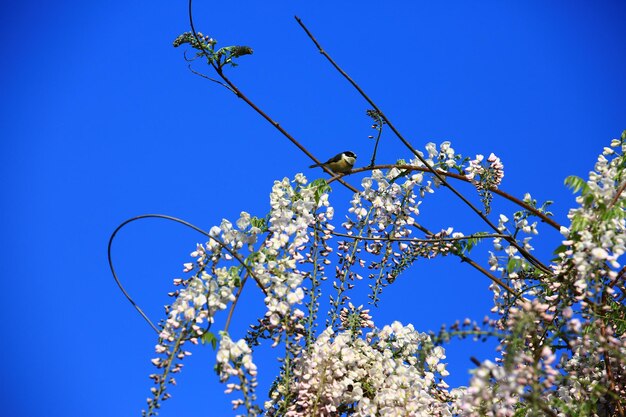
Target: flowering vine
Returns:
[[562, 336], [560, 327]]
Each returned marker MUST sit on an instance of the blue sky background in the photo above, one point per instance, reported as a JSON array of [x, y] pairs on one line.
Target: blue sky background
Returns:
[[100, 120]]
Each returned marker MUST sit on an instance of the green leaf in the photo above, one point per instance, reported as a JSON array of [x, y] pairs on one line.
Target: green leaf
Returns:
[[260, 223], [576, 184], [321, 186], [512, 265], [559, 250], [234, 272], [209, 337]]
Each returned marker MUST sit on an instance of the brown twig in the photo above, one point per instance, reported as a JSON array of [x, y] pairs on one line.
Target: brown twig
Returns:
[[607, 359], [475, 265], [619, 192], [619, 276], [416, 240], [209, 78], [379, 126], [488, 274], [239, 93], [293, 140], [233, 305]]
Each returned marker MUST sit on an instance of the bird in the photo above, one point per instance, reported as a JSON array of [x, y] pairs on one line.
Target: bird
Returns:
[[341, 163]]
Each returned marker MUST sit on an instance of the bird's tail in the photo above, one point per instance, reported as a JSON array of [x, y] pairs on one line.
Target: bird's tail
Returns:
[[315, 165]]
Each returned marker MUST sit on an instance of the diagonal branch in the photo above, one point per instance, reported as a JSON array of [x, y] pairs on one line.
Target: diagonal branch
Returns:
[[406, 143], [218, 68], [476, 266], [460, 177], [618, 193]]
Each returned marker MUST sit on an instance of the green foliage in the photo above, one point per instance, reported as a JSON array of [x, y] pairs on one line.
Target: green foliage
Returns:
[[467, 246], [205, 47], [234, 272], [321, 188], [259, 223], [577, 184], [617, 314], [558, 251], [209, 338]]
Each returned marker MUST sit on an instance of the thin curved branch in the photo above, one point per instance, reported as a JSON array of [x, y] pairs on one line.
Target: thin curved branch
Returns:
[[189, 59], [381, 123], [118, 282], [538, 264], [209, 78], [241, 287], [488, 274], [234, 254], [231, 311]]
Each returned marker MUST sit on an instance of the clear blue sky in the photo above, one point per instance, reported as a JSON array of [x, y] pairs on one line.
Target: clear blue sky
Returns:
[[100, 120]]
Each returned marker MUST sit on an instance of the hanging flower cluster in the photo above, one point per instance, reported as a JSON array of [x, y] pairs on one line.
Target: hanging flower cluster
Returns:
[[564, 341], [394, 371], [234, 360], [485, 177]]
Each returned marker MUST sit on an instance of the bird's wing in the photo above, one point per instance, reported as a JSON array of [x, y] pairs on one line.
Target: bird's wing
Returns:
[[335, 158]]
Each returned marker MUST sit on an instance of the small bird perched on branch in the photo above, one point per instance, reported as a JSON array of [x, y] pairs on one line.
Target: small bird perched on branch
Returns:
[[340, 163]]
